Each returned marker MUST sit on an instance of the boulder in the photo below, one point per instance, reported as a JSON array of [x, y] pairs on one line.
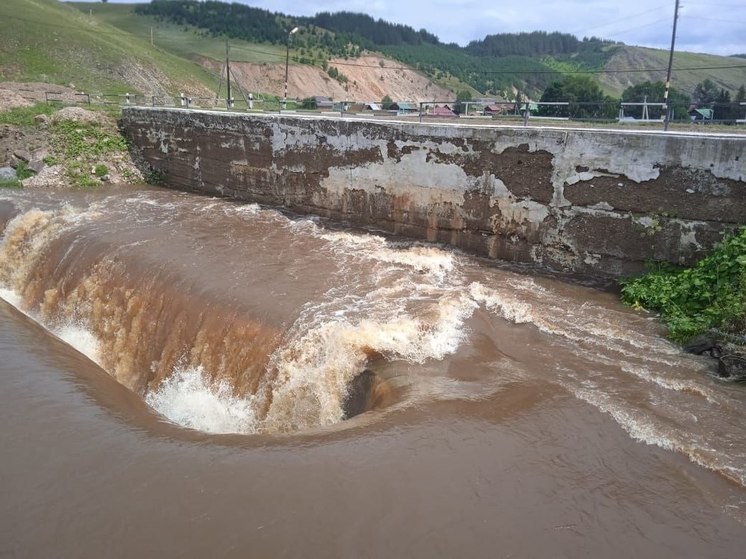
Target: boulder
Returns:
[[732, 362], [36, 165], [22, 155], [79, 114], [8, 174], [706, 343]]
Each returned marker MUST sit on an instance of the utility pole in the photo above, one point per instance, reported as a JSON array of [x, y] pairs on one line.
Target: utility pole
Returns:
[[670, 67], [229, 102], [287, 64]]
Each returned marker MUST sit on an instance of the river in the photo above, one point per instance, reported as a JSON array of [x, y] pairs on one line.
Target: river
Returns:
[[175, 370]]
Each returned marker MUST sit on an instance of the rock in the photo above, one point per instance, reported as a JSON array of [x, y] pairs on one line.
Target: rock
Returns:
[[22, 155], [8, 174], [706, 343], [40, 153], [42, 120], [359, 394], [732, 362], [79, 114], [36, 165]]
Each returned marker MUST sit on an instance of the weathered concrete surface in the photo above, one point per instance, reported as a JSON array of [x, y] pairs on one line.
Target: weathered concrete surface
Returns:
[[587, 201]]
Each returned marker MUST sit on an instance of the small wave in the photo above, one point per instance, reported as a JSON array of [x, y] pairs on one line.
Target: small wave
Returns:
[[643, 428]]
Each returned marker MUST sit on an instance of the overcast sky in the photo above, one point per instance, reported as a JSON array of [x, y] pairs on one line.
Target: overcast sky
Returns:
[[712, 26]]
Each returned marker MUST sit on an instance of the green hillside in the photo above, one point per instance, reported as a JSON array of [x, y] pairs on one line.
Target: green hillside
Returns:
[[497, 64], [182, 40], [105, 47], [722, 70], [47, 41]]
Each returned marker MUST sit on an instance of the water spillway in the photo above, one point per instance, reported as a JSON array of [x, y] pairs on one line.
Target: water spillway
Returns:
[[243, 332]]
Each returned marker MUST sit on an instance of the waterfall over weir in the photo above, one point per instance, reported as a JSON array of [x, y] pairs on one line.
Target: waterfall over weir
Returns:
[[230, 318]]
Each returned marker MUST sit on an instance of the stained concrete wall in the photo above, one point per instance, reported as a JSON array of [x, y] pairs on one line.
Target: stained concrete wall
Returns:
[[594, 202]]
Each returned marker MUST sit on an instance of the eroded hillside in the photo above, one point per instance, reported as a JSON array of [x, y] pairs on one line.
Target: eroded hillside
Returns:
[[369, 78]]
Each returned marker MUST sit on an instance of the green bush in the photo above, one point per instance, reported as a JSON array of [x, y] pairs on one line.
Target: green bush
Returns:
[[100, 170], [709, 295]]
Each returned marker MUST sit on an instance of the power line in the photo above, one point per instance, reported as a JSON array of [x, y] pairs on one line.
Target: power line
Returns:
[[623, 31], [612, 22], [714, 19]]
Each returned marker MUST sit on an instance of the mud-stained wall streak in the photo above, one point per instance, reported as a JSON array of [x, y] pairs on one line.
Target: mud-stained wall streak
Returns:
[[588, 201]]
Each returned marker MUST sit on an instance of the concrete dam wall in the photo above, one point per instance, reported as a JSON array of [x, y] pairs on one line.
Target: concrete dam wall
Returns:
[[594, 202]]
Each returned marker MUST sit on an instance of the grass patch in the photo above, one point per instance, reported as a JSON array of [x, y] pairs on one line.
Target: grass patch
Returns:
[[74, 139], [22, 171], [24, 116], [79, 148], [709, 295]]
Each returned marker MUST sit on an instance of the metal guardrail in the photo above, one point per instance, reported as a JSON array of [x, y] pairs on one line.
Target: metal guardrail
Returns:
[[519, 111]]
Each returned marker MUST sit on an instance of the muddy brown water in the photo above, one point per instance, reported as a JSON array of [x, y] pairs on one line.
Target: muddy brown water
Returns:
[[174, 369]]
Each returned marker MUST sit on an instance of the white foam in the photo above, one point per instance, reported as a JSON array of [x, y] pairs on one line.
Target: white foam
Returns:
[[81, 339], [188, 399], [10, 296]]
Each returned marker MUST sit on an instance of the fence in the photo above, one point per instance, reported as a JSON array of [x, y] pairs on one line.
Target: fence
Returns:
[[501, 111]]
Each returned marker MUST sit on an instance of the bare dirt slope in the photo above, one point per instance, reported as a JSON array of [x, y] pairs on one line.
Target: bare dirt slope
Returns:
[[367, 80]]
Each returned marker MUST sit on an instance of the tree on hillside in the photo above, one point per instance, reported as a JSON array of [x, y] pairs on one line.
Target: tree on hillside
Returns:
[[740, 95], [653, 92], [574, 90], [461, 97], [705, 93], [740, 110]]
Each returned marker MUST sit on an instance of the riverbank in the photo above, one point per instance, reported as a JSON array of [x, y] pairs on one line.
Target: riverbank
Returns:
[[43, 146]]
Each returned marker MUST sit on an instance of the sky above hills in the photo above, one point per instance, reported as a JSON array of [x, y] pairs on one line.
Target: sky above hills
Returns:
[[711, 26]]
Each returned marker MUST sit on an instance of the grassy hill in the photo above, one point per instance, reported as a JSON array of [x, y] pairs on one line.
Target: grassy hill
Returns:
[[107, 48], [47, 41], [637, 58], [184, 41]]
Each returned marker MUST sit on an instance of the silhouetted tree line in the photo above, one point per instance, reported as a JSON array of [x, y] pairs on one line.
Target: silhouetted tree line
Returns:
[[535, 43], [374, 32], [234, 20], [256, 24]]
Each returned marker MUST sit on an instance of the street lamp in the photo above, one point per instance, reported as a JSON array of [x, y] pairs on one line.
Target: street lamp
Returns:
[[287, 63]]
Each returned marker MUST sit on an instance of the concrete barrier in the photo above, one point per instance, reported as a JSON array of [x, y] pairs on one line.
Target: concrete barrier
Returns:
[[594, 202]]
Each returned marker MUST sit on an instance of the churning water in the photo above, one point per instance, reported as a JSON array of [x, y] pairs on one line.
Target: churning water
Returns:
[[234, 319]]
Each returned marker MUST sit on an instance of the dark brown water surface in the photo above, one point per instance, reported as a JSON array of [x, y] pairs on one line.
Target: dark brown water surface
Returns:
[[200, 414]]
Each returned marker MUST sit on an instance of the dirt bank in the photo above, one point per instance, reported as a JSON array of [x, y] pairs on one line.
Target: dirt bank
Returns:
[[369, 78], [72, 147]]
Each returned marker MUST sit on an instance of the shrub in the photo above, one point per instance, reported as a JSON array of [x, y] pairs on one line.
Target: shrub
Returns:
[[709, 295]]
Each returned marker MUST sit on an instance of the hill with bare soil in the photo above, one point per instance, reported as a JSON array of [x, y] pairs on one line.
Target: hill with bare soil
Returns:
[[369, 78]]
